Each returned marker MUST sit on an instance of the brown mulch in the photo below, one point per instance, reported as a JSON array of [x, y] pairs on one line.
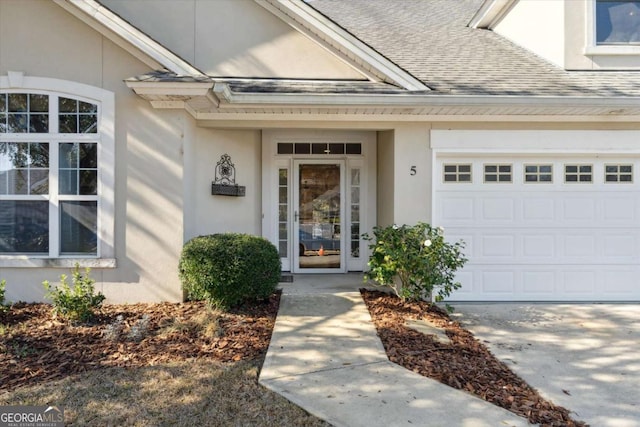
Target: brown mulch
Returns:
[[36, 347], [465, 364]]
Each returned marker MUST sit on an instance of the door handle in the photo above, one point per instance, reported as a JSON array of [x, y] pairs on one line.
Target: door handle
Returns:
[[295, 216]]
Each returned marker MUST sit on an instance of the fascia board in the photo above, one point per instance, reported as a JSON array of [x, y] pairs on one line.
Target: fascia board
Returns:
[[317, 27], [127, 36], [236, 100], [188, 89], [491, 13]]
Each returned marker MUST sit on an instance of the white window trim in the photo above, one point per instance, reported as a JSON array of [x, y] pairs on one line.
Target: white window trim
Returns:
[[592, 48], [105, 258]]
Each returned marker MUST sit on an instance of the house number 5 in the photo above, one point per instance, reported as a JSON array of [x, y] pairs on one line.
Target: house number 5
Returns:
[[413, 171]]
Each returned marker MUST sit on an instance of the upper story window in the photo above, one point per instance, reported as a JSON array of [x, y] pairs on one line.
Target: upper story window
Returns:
[[617, 22]]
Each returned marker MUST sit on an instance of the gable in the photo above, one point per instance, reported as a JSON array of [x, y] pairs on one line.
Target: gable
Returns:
[[231, 38]]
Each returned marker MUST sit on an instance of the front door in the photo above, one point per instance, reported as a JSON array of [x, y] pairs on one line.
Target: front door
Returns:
[[318, 203]]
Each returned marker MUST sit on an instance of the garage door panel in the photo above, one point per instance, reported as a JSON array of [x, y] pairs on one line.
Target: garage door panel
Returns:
[[544, 241], [537, 283]]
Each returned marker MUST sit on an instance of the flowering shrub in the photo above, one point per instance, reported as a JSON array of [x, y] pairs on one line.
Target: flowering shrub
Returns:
[[414, 261]]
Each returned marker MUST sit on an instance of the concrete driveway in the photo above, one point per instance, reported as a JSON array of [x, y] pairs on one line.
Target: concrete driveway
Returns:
[[585, 357]]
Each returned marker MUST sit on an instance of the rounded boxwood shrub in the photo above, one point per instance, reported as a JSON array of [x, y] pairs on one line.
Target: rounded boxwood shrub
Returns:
[[227, 269]]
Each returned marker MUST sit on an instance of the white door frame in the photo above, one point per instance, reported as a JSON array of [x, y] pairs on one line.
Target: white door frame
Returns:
[[363, 165], [295, 223]]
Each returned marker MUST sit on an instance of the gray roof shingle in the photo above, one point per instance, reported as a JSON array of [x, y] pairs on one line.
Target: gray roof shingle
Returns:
[[431, 40]]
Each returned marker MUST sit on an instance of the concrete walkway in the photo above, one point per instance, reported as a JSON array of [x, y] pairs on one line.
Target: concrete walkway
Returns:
[[325, 356]]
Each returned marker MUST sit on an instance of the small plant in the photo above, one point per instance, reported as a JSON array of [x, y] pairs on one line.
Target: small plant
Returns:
[[3, 305], [76, 302], [414, 261], [227, 269]]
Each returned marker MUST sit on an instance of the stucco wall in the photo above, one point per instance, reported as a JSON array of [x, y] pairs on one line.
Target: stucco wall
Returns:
[[39, 38], [262, 45], [208, 214], [523, 26]]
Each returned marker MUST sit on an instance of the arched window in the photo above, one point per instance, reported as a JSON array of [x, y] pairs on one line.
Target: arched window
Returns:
[[54, 157]]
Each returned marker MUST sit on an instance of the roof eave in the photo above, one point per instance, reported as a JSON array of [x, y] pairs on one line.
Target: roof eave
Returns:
[[491, 13]]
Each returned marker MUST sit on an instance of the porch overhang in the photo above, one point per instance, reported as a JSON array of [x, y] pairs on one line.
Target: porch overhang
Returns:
[[214, 100]]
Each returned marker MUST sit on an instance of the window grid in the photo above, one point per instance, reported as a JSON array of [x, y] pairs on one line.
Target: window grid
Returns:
[[24, 113], [577, 173], [69, 224], [497, 173], [355, 212], [618, 173], [542, 173], [322, 148], [283, 212], [454, 172]]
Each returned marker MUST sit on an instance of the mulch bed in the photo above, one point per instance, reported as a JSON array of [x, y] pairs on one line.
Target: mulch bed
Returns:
[[36, 347], [465, 364]]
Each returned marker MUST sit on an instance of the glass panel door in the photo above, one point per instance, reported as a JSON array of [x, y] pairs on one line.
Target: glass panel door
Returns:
[[318, 217]]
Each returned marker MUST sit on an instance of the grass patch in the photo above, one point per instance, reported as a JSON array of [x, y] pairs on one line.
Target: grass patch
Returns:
[[178, 394]]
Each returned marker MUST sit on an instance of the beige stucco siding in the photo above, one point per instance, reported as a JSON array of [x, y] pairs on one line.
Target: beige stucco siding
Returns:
[[232, 38], [209, 214], [39, 38]]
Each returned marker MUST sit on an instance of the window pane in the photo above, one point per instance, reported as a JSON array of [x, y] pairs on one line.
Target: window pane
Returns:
[[319, 148], [68, 123], [24, 226], [39, 155], [303, 149], [285, 148], [617, 22], [88, 182], [18, 181], [3, 103], [39, 123], [68, 156], [85, 107], [3, 122], [39, 181], [18, 102], [68, 181], [78, 227], [39, 103], [336, 148], [88, 123], [67, 105], [354, 149], [88, 156], [17, 123]]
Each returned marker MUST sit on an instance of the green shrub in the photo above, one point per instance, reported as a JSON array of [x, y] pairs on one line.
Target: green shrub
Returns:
[[226, 269], [414, 261], [76, 303], [3, 305]]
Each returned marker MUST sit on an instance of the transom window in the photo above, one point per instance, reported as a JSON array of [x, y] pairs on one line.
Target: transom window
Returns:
[[618, 173], [497, 173], [48, 181], [538, 173], [578, 173], [457, 172], [319, 148], [617, 22]]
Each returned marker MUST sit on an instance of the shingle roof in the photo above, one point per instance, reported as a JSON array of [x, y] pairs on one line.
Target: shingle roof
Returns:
[[431, 40]]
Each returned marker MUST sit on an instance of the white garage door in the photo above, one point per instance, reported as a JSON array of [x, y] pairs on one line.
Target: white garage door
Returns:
[[542, 228]]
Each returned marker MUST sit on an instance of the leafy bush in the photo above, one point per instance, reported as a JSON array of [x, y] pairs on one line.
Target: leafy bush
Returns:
[[226, 269], [75, 303], [414, 261], [3, 305]]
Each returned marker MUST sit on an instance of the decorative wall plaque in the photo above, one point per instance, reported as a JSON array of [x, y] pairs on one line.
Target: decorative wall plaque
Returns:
[[225, 179]]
